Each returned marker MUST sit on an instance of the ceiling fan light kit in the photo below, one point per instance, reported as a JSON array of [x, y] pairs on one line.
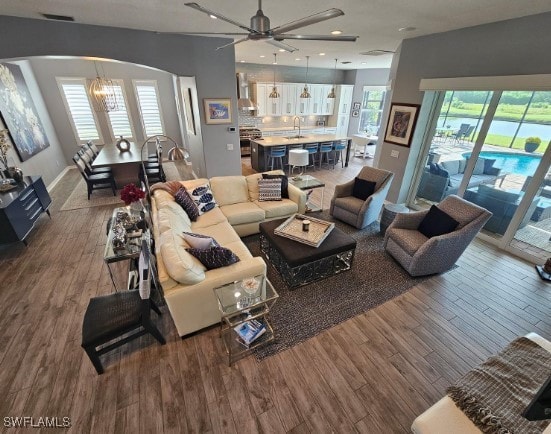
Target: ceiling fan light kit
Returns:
[[260, 30]]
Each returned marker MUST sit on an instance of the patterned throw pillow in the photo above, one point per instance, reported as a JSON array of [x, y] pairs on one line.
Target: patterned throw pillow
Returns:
[[198, 241], [284, 183], [215, 257], [269, 189], [203, 198], [183, 199]]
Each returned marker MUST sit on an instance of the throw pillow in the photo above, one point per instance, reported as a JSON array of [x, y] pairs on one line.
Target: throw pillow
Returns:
[[269, 189], [479, 166], [284, 183], [437, 222], [203, 198], [183, 199], [215, 257], [198, 241], [441, 171], [488, 164], [362, 188]]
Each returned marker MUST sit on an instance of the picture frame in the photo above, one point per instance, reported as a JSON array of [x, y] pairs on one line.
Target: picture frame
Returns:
[[19, 114], [355, 113], [356, 105], [217, 111], [401, 123]]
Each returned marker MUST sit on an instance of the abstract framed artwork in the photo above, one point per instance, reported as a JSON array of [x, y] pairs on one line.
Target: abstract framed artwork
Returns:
[[401, 123], [217, 110], [19, 113]]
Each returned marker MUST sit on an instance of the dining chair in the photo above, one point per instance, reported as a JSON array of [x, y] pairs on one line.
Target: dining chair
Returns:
[[95, 181], [83, 156]]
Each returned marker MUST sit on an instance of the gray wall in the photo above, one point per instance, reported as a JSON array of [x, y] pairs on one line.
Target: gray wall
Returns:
[[178, 54], [290, 74], [512, 47], [46, 71], [51, 161]]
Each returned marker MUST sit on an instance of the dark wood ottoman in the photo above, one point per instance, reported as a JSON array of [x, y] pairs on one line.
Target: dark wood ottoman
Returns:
[[299, 263]]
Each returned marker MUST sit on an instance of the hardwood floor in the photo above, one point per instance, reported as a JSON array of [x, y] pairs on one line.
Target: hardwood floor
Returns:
[[371, 374]]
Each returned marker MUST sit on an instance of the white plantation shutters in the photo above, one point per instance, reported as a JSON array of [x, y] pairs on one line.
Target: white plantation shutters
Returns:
[[119, 120], [79, 109], [148, 103]]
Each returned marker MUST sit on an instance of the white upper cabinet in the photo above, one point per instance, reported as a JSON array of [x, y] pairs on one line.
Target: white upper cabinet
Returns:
[[288, 97], [316, 104], [327, 104], [344, 96], [260, 98], [303, 104], [273, 105]]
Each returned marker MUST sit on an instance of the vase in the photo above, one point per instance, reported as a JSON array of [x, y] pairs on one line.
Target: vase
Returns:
[[136, 207], [531, 146], [123, 145], [14, 172]]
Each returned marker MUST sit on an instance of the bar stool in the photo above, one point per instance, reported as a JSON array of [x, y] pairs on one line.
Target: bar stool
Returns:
[[297, 158], [276, 152], [312, 149], [325, 150], [289, 149], [338, 147]]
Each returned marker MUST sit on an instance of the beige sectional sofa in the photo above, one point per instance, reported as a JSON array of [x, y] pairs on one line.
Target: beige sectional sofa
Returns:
[[186, 283]]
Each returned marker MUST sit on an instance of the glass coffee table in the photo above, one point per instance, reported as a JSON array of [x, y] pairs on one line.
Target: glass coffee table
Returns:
[[240, 302], [308, 182]]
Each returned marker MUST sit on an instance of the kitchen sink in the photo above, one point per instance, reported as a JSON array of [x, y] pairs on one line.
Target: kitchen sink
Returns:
[[295, 137]]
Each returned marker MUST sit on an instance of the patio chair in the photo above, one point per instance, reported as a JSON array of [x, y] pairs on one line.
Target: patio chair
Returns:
[[461, 133]]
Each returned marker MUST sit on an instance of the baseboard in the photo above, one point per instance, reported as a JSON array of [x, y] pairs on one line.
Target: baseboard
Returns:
[[52, 184]]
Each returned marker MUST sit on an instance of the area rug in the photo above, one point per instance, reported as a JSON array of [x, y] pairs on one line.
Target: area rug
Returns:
[[79, 196], [306, 311]]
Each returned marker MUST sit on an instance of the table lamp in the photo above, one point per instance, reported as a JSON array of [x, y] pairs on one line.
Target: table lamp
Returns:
[[298, 158]]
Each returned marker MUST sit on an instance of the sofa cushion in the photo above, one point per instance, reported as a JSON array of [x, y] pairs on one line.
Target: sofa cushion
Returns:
[[190, 184], [363, 188], [173, 217], [437, 222], [284, 183], [452, 167], [488, 165], [410, 240], [162, 198], [240, 213], [479, 167], [252, 182], [498, 194], [215, 257], [239, 248], [183, 199], [349, 203], [269, 190], [462, 165], [229, 189], [283, 208], [179, 264], [479, 179], [210, 218], [222, 232], [203, 198]]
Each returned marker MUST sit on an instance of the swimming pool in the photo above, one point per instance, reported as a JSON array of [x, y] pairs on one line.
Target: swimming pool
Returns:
[[512, 162]]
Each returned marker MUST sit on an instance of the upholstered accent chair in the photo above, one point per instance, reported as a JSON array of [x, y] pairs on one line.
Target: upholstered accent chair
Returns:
[[357, 212], [422, 256]]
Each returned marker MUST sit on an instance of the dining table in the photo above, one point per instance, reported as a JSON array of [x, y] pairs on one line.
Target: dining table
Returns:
[[125, 165], [363, 141]]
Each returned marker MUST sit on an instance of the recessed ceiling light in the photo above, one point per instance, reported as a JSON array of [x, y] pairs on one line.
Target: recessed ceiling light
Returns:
[[281, 50], [242, 61], [407, 29], [364, 63], [336, 32], [262, 55], [214, 17], [322, 54], [298, 58]]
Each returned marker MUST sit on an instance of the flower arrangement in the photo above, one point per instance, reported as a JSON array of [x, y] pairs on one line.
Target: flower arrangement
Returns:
[[130, 193], [4, 146]]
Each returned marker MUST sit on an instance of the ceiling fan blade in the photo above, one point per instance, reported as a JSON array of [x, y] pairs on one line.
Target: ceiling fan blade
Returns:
[[233, 43], [342, 38], [306, 21], [220, 17], [281, 45], [205, 33]]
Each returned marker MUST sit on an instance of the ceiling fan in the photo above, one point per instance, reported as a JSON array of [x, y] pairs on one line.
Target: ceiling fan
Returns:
[[259, 28]]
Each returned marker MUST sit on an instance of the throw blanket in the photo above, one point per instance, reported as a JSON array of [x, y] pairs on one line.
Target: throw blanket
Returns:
[[170, 186], [495, 394]]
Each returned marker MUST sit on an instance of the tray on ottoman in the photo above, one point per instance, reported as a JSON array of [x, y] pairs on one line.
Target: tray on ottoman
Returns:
[[292, 228]]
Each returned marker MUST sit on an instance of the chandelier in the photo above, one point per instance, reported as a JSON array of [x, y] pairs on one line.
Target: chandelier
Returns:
[[103, 92], [305, 93], [274, 93]]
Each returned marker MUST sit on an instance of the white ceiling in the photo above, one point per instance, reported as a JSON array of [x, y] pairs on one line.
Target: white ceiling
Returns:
[[375, 21]]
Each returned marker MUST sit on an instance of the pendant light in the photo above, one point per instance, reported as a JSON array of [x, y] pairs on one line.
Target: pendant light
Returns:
[[103, 92], [305, 93], [332, 92], [274, 93]]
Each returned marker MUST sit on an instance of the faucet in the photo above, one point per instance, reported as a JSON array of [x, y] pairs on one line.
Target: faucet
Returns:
[[295, 119]]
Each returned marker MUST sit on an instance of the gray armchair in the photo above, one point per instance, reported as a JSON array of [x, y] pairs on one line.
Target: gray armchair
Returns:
[[357, 212], [420, 255]]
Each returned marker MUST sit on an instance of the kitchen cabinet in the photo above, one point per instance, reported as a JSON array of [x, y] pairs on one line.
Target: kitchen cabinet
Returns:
[[327, 104], [342, 125], [303, 104], [317, 102], [260, 98], [344, 96], [288, 97]]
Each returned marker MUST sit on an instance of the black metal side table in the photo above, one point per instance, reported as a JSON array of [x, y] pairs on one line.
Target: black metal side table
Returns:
[[389, 213]]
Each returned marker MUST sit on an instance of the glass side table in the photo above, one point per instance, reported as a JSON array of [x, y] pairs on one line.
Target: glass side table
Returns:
[[242, 301], [308, 182]]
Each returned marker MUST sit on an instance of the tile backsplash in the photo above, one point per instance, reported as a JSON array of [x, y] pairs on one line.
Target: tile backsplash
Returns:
[[245, 118]]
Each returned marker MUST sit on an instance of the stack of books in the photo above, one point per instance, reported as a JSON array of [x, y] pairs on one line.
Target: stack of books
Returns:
[[249, 331]]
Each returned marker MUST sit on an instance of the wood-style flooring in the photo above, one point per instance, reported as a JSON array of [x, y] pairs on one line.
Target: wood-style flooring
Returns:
[[371, 374]]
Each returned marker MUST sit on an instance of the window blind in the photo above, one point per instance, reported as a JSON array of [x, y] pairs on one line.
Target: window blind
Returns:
[[80, 111], [148, 102], [119, 119]]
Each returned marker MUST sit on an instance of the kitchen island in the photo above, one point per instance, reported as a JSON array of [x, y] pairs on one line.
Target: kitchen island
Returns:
[[259, 146]]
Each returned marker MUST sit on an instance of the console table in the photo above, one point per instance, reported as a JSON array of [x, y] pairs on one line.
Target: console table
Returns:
[[21, 207]]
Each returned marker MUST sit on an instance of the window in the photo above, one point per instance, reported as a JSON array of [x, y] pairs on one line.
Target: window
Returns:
[[79, 109], [119, 120], [148, 103], [371, 109]]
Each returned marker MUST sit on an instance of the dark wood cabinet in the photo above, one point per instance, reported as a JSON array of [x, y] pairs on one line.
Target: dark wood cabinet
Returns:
[[21, 207]]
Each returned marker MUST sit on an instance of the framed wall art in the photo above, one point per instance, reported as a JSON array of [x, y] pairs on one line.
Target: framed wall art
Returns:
[[401, 123], [356, 106], [19, 114], [355, 113], [217, 110]]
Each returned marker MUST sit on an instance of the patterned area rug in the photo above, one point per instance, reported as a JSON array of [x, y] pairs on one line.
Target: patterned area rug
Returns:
[[308, 310], [174, 171]]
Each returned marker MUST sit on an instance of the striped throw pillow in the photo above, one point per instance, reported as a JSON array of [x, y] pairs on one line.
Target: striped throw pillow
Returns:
[[269, 189]]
